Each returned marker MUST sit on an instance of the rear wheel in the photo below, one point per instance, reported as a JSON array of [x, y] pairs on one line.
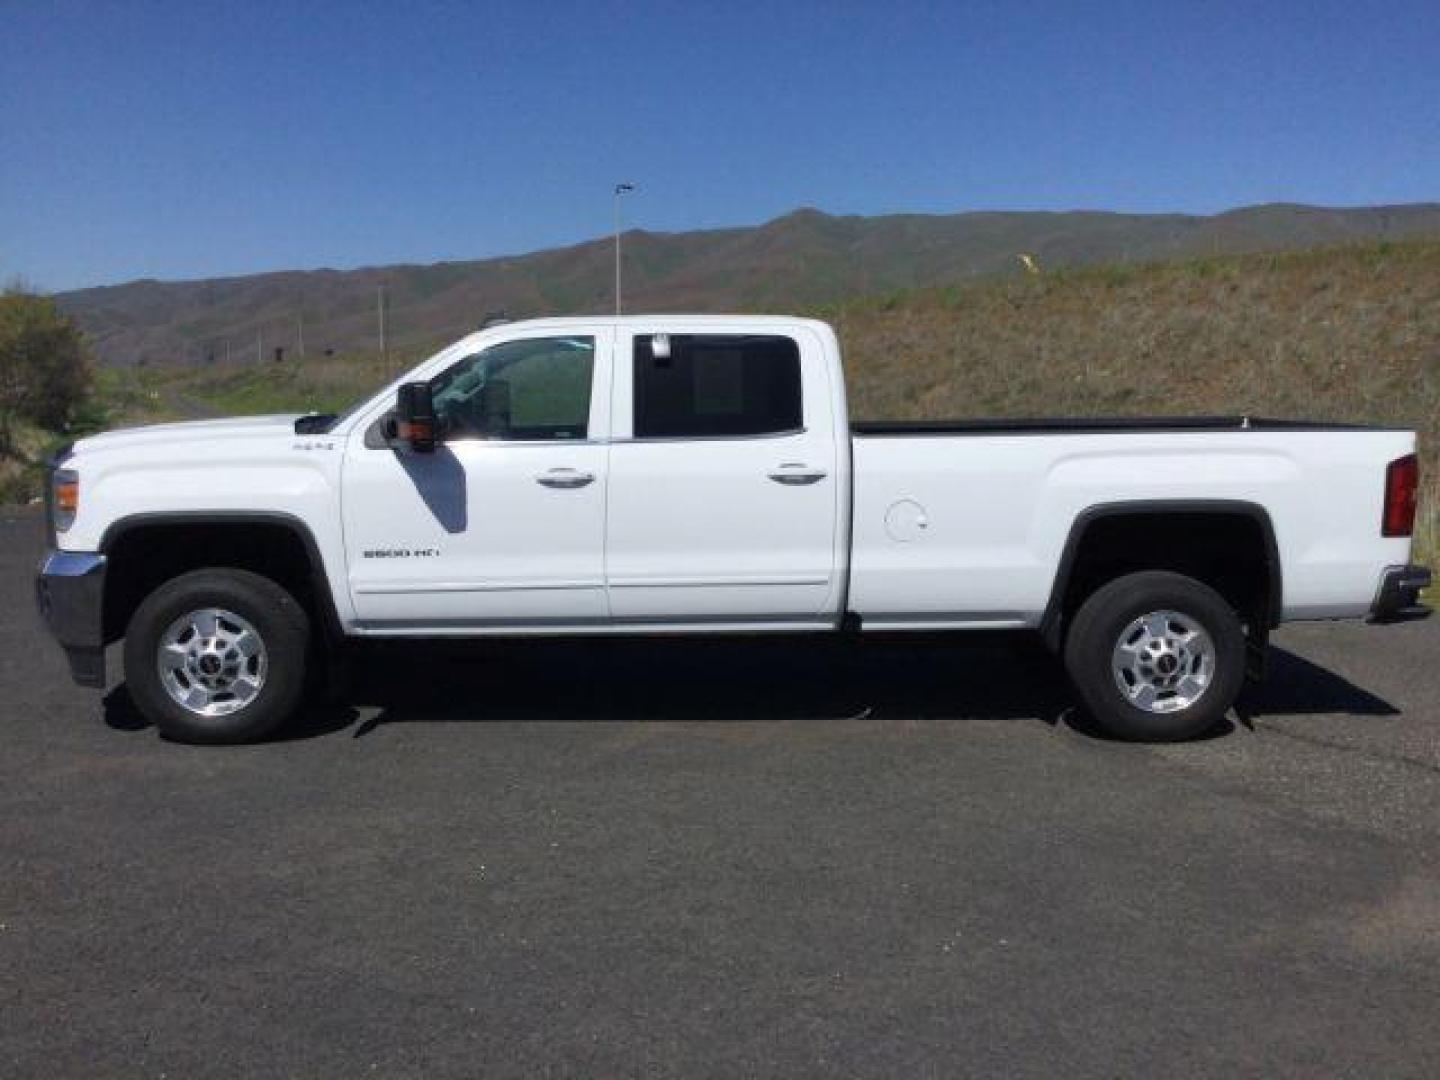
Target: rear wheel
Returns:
[[1156, 656], [217, 656]]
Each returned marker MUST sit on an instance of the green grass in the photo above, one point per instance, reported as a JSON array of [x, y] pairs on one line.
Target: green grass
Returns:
[[144, 395]]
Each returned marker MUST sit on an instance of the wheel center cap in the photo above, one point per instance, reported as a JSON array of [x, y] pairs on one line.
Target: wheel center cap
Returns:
[[209, 664], [1167, 664]]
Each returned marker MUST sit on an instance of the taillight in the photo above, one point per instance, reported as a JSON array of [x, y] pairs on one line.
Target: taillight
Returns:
[[1402, 480]]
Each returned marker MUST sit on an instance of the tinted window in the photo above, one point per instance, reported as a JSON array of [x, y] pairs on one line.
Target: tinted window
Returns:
[[714, 384], [535, 388]]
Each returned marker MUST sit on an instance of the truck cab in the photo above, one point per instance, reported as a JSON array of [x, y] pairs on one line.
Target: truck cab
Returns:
[[700, 479]]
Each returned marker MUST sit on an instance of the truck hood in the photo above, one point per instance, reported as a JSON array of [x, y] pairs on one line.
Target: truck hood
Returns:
[[281, 425]]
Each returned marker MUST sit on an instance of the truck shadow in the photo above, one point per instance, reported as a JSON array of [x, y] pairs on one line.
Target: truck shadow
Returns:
[[1294, 686], [687, 681], [743, 680]]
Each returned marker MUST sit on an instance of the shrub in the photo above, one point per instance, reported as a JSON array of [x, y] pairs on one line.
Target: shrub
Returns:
[[45, 367]]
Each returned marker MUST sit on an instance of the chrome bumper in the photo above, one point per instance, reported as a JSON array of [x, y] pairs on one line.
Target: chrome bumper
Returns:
[[70, 592], [1399, 597]]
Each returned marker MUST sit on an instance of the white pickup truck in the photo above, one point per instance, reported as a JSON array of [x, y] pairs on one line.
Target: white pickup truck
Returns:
[[699, 475]]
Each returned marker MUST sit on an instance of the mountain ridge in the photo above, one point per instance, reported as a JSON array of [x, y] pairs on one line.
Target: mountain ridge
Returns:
[[800, 259]]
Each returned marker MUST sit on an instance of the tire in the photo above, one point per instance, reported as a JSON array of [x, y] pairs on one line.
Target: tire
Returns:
[[1167, 678], [243, 644]]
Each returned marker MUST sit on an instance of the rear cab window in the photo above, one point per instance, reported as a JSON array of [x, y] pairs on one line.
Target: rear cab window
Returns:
[[689, 386]]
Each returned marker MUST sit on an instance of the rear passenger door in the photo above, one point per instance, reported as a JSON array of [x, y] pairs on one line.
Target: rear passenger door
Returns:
[[723, 504]]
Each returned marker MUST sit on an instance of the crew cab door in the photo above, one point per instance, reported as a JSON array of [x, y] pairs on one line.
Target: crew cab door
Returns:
[[724, 502], [503, 525]]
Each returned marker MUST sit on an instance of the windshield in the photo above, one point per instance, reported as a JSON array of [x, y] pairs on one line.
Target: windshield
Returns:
[[547, 378]]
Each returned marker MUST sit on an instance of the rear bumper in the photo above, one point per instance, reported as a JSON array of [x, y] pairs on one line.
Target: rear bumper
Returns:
[[1399, 597], [70, 591]]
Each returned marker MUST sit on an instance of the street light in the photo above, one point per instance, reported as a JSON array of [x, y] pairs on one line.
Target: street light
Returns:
[[620, 189]]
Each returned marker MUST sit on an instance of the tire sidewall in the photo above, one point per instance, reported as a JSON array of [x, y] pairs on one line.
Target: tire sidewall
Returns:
[[1109, 611], [276, 616]]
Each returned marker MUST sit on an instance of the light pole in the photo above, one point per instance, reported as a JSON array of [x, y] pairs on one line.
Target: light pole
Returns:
[[620, 189], [380, 314]]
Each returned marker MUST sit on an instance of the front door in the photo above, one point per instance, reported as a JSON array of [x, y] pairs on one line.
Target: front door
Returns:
[[502, 526], [725, 485]]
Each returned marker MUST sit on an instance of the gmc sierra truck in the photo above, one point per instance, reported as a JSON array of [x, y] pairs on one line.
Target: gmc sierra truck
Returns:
[[699, 475]]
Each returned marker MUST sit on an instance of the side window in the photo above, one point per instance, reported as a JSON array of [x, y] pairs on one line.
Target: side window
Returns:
[[534, 388], [716, 385]]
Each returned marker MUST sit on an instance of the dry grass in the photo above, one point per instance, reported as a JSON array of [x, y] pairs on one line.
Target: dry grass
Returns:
[[1348, 334], [1427, 530], [1351, 334]]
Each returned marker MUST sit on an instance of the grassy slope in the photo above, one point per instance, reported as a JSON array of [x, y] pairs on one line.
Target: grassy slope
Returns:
[[1340, 334]]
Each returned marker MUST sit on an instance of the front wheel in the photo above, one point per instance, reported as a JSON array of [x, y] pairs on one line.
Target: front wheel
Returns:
[[1156, 656], [217, 656]]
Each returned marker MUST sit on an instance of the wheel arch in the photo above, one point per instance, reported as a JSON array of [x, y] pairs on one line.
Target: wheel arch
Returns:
[[1075, 578], [275, 544]]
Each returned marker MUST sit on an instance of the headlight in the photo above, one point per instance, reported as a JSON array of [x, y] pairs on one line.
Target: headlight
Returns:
[[64, 498]]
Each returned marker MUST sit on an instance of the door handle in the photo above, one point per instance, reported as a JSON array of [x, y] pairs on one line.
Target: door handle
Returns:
[[565, 478], [794, 474]]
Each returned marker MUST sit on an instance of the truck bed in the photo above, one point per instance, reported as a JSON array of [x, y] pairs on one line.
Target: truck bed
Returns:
[[949, 529]]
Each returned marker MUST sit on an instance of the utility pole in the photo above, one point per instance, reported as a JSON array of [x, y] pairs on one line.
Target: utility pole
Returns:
[[259, 346], [380, 310], [620, 189], [300, 335]]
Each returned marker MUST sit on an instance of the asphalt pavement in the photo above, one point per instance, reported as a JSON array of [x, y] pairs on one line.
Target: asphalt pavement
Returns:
[[723, 859]]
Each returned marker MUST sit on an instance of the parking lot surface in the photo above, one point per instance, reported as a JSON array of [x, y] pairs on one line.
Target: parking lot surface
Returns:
[[723, 859]]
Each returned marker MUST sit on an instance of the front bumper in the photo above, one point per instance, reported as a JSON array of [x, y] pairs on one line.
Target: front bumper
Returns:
[[1399, 597], [70, 593]]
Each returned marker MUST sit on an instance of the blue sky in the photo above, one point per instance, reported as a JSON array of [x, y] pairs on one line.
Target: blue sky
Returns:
[[181, 140]]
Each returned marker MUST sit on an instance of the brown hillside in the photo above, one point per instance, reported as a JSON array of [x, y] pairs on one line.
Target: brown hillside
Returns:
[[801, 259]]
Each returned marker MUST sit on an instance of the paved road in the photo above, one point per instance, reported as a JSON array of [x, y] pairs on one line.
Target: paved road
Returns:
[[724, 860]]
